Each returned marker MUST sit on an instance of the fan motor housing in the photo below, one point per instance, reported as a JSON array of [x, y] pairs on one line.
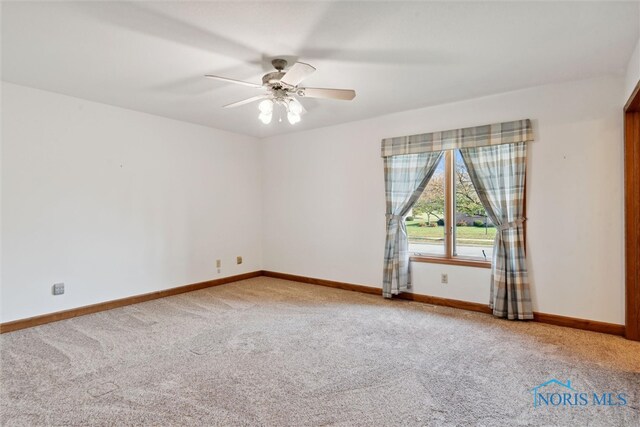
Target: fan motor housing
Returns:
[[271, 78]]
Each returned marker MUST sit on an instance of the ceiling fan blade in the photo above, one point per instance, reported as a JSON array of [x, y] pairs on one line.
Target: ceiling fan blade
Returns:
[[302, 109], [314, 92], [297, 73], [245, 101], [239, 82]]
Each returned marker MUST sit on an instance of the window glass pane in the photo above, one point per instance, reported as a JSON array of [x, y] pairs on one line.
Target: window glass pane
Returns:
[[425, 223], [474, 233]]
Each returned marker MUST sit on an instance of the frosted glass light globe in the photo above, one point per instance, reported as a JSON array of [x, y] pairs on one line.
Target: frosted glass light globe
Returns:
[[295, 107], [265, 118], [293, 117], [266, 106]]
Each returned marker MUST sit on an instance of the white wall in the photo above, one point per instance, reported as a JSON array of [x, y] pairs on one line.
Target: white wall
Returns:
[[632, 75], [323, 198], [116, 203]]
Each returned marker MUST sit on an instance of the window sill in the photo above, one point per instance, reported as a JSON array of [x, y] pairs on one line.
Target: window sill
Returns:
[[465, 262]]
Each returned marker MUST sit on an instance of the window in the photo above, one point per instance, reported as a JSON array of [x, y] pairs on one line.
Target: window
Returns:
[[448, 223]]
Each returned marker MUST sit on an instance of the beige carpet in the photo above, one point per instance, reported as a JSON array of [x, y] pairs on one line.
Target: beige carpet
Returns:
[[273, 352]]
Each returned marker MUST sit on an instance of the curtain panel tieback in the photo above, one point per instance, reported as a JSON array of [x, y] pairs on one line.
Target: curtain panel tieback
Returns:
[[391, 217], [513, 224]]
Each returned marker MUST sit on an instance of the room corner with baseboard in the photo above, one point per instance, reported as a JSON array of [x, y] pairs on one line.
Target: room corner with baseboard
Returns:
[[369, 213]]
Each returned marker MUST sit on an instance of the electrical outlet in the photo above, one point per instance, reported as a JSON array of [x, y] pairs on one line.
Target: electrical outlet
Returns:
[[444, 278], [218, 263], [57, 289], [238, 260]]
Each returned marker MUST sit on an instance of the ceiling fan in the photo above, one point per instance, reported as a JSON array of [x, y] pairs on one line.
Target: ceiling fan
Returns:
[[282, 87]]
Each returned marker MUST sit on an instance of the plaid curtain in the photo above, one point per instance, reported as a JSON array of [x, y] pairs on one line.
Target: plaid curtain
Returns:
[[405, 179], [477, 136], [498, 175]]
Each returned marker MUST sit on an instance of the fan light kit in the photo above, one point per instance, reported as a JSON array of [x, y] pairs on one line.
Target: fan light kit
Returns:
[[292, 105], [282, 89]]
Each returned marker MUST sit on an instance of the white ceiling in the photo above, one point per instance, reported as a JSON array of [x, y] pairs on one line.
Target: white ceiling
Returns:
[[151, 56]]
